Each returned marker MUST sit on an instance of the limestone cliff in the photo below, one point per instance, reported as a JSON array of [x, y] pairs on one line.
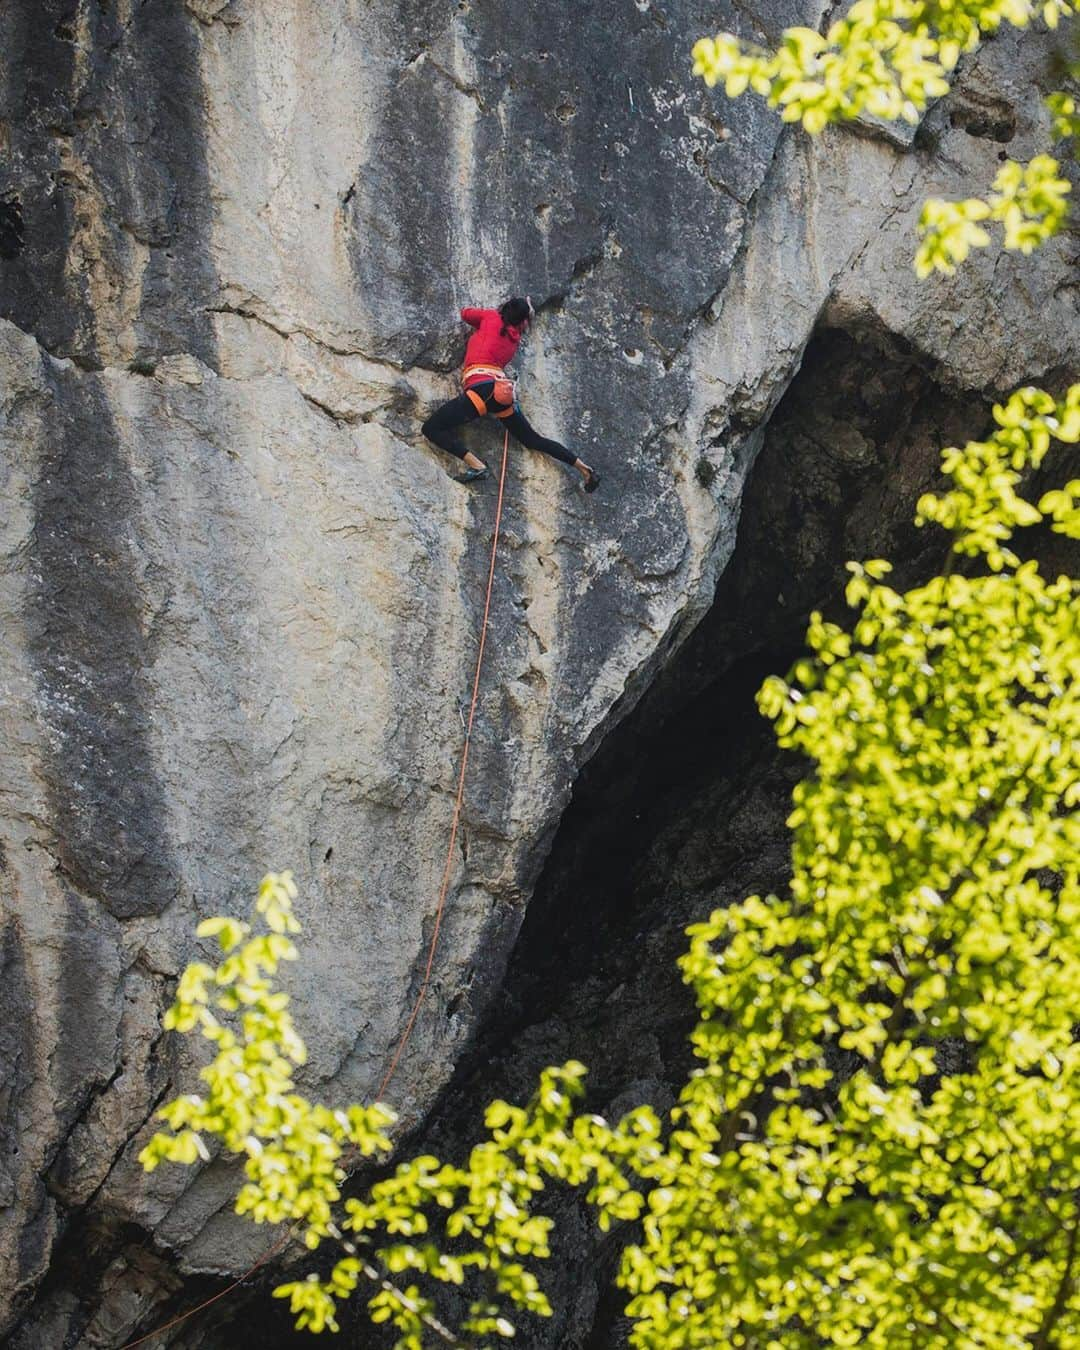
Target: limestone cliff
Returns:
[[240, 595]]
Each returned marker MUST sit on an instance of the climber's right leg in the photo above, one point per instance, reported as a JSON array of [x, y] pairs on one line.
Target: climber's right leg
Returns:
[[522, 430], [443, 423]]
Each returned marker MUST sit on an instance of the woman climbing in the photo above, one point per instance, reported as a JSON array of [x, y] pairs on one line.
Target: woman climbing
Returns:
[[487, 389]]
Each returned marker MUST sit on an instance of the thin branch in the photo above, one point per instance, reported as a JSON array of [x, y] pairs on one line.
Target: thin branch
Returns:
[[428, 1319], [1041, 1339], [376, 1277]]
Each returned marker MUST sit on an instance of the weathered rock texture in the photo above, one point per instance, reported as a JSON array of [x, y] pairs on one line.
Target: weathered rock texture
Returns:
[[240, 596]]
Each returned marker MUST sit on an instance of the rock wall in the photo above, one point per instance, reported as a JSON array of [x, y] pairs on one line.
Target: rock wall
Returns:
[[241, 595]]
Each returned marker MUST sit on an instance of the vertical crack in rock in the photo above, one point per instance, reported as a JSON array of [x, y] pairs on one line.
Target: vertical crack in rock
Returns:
[[12, 233], [126, 179], [35, 81], [105, 160]]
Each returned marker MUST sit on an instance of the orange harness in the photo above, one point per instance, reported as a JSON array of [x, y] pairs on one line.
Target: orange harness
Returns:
[[503, 392]]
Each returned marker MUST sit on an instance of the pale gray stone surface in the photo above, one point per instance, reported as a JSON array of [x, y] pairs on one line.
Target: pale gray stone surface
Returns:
[[240, 595]]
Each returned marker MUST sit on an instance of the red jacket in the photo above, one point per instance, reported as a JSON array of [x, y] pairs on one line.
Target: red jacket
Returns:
[[489, 346]]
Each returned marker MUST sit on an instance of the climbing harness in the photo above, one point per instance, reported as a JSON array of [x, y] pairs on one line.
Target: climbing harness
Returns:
[[504, 392], [440, 907], [490, 372], [508, 398]]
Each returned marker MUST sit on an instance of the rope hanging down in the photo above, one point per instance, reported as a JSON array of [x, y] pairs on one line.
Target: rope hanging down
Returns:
[[449, 867], [440, 908]]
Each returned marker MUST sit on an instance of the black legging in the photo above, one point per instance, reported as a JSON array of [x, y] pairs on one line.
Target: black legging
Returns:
[[443, 422]]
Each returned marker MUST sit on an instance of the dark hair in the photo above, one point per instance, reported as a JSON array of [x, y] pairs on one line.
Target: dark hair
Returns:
[[515, 312]]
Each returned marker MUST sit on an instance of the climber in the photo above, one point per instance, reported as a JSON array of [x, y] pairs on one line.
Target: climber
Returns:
[[487, 389]]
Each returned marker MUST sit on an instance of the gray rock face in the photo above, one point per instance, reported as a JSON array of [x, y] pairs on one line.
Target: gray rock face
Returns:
[[240, 595]]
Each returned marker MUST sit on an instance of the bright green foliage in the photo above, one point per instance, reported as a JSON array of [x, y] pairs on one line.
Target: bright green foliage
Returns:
[[1065, 112], [889, 58], [292, 1148], [1029, 201], [884, 57], [983, 508], [480, 1211], [880, 1145]]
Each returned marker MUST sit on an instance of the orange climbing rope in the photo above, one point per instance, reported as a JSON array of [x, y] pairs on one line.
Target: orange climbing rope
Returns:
[[449, 867], [440, 908]]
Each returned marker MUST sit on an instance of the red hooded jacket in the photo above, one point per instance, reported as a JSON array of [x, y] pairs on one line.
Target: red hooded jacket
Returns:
[[489, 345]]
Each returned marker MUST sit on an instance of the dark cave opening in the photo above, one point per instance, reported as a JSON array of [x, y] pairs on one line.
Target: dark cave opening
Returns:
[[682, 808]]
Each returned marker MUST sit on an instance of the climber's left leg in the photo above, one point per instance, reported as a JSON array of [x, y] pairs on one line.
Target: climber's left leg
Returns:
[[522, 430], [444, 422]]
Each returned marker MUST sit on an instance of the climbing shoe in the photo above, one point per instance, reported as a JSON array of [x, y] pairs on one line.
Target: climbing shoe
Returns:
[[593, 481], [471, 475]]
